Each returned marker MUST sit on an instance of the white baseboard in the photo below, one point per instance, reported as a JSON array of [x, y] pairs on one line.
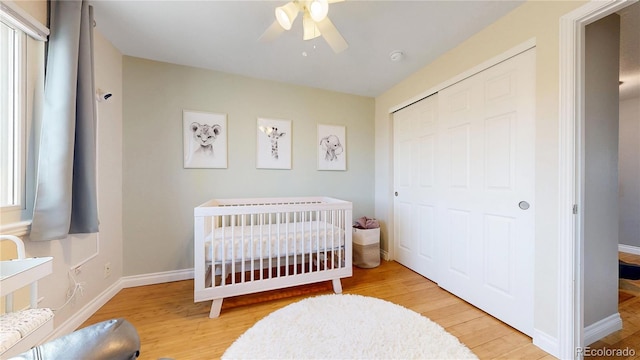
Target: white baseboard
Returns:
[[546, 342], [602, 328], [94, 305], [85, 313], [384, 254], [592, 334], [629, 249], [156, 278]]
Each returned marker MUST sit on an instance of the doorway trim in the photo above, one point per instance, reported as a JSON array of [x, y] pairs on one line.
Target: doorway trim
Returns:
[[571, 173]]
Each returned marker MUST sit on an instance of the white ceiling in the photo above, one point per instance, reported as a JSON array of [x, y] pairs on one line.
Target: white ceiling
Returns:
[[223, 36]]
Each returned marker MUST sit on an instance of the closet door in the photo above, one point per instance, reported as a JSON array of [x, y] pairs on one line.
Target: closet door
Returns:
[[485, 225], [464, 182], [415, 193]]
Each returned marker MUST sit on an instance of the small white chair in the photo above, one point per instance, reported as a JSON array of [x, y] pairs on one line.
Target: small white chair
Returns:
[[22, 329]]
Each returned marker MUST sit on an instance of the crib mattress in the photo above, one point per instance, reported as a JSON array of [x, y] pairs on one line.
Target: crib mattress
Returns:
[[273, 240]]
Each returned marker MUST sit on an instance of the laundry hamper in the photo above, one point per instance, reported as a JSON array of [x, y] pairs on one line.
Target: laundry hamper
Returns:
[[366, 247]]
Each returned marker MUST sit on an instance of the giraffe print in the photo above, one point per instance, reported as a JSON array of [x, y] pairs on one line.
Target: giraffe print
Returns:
[[273, 135]]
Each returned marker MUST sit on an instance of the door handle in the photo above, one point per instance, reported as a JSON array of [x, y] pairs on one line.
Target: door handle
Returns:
[[396, 193], [523, 205]]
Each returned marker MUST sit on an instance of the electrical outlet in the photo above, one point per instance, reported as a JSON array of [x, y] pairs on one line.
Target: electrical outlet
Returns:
[[107, 270]]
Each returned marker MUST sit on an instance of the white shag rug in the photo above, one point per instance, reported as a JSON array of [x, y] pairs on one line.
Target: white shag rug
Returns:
[[346, 327]]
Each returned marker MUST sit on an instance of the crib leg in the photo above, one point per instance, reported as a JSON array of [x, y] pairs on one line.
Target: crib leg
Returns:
[[337, 286], [216, 305]]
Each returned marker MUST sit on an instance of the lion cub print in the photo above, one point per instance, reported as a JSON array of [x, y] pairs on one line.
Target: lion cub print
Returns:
[[204, 135], [202, 141]]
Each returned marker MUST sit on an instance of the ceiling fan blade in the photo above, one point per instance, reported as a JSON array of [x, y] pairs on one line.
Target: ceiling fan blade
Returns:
[[332, 35], [271, 33]]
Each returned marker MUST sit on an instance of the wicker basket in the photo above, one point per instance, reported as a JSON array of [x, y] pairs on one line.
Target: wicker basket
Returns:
[[366, 248]]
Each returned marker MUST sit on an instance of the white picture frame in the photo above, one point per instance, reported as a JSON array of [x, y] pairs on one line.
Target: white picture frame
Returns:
[[273, 144], [204, 139], [332, 147]]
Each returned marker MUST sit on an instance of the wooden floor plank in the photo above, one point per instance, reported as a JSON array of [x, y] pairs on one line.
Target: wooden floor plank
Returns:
[[171, 325], [525, 352]]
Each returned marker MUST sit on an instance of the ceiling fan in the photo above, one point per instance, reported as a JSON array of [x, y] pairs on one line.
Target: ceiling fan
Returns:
[[315, 22]]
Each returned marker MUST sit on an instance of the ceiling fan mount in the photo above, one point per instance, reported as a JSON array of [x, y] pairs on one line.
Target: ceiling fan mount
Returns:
[[315, 22]]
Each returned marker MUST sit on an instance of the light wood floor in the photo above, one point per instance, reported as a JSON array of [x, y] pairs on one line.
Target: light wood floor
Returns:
[[171, 325]]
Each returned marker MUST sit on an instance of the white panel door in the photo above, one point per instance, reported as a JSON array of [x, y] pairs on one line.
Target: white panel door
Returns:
[[485, 224], [415, 202]]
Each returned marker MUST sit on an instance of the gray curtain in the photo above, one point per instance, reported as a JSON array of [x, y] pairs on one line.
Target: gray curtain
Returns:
[[65, 201]]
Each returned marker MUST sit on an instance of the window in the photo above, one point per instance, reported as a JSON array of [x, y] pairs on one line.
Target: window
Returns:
[[12, 117], [22, 40]]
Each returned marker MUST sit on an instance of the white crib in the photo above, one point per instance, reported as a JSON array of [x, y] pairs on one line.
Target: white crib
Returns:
[[243, 246]]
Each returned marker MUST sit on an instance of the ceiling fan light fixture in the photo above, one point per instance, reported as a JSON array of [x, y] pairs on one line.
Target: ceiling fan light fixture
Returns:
[[309, 28], [315, 22], [318, 9], [286, 15]]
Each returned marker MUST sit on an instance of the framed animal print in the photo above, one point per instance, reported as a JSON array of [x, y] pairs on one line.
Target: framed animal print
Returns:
[[332, 147], [273, 141], [205, 139]]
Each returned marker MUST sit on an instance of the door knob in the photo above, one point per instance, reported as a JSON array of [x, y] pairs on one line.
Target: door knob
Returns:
[[396, 193], [523, 205]]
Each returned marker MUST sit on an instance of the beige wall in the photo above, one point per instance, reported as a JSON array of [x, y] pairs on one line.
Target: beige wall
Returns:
[[534, 19], [35, 8], [159, 194]]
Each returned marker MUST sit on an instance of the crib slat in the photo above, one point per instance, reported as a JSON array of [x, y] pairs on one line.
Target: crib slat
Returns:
[[333, 238], [324, 239], [261, 250], [212, 225], [233, 249], [295, 244], [223, 252], [334, 221], [242, 264], [317, 247], [270, 245], [335, 258], [278, 252], [252, 238], [303, 241]]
